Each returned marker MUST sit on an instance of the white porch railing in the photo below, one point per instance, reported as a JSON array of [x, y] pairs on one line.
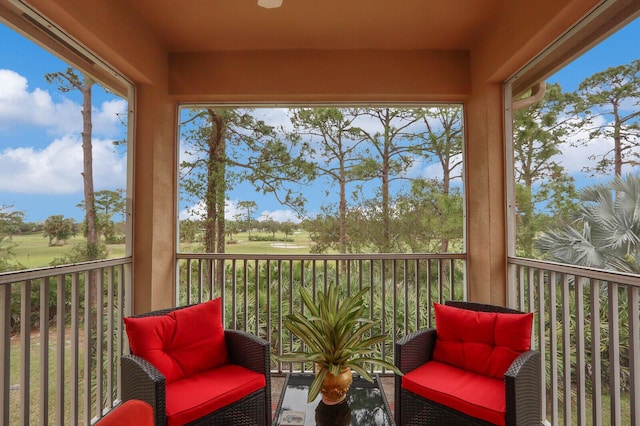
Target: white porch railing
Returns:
[[589, 339], [59, 361]]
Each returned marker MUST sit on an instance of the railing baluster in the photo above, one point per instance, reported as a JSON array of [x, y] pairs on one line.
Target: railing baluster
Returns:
[[44, 352], [110, 341], [521, 281], [87, 347], [614, 351], [201, 279], [324, 274], [532, 290], [634, 353], [405, 280], [383, 309], [290, 307], [234, 293], [189, 281], [553, 345], [429, 293], [99, 340], [119, 315], [60, 353], [257, 292], [245, 309], [416, 283], [268, 310], [542, 339], [596, 377], [440, 285], [5, 353], [75, 358], [394, 300], [566, 349], [25, 352], [580, 352], [452, 294], [279, 334]]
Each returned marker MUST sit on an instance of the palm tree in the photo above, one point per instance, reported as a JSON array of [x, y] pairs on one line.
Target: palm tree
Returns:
[[606, 235], [606, 231]]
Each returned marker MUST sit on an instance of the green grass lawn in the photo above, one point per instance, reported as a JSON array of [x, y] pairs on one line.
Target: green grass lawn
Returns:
[[34, 251], [301, 244]]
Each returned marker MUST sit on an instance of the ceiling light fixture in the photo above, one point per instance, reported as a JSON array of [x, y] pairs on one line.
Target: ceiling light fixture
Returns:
[[269, 4]]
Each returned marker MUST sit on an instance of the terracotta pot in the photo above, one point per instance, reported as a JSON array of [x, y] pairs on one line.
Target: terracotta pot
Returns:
[[334, 388]]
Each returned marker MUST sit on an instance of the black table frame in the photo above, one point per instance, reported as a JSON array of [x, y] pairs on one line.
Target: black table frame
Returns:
[[358, 381]]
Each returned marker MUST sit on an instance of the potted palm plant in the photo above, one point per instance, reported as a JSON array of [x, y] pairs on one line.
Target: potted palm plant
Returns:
[[334, 331]]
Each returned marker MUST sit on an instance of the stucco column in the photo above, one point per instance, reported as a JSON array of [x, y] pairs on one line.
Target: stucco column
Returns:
[[154, 243], [486, 217]]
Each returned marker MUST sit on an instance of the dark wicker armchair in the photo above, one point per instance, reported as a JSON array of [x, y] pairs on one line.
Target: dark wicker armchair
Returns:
[[522, 382], [141, 380]]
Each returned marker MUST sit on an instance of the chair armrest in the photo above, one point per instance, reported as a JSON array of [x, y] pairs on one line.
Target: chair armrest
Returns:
[[253, 353], [141, 380], [414, 349], [523, 381], [411, 352], [248, 350]]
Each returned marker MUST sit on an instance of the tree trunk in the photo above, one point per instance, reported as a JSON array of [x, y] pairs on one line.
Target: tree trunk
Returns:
[[87, 173], [617, 140], [215, 223]]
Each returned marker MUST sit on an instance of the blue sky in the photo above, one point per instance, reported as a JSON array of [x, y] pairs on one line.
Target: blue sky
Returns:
[[40, 154]]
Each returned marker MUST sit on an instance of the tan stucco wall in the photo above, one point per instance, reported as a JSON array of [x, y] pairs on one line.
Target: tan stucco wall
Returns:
[[321, 76], [485, 195], [155, 205]]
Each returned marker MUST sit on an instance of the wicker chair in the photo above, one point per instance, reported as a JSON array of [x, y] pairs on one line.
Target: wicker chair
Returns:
[[522, 382], [141, 380]]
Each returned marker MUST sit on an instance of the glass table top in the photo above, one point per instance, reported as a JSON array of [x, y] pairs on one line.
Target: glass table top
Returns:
[[365, 404]]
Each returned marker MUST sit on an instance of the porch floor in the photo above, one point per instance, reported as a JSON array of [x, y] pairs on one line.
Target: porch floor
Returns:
[[277, 381]]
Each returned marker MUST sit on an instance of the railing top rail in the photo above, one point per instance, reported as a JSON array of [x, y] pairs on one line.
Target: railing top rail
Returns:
[[359, 256], [581, 271], [32, 274]]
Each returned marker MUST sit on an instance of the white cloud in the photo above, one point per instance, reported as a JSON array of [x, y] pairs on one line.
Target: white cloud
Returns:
[[274, 117], [197, 211], [432, 171], [231, 211], [574, 155], [19, 107], [280, 216], [57, 168], [110, 119]]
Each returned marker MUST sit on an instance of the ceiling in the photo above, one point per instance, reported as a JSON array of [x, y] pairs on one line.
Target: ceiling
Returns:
[[219, 25], [494, 38]]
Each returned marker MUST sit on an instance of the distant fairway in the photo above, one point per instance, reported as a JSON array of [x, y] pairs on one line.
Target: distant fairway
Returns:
[[33, 250], [300, 244]]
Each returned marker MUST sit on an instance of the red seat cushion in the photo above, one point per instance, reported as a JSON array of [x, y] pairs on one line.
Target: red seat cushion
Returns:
[[195, 396], [481, 342], [184, 342], [474, 394], [130, 413]]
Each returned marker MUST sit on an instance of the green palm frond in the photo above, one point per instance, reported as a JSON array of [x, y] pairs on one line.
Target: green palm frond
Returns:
[[606, 231]]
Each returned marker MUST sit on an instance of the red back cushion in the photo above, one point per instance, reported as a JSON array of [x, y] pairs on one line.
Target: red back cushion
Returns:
[[181, 343], [483, 342]]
